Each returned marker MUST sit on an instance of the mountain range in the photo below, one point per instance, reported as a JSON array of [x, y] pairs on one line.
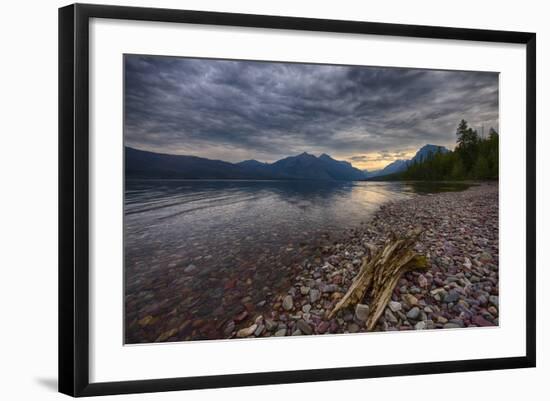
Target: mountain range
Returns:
[[401, 165], [305, 166]]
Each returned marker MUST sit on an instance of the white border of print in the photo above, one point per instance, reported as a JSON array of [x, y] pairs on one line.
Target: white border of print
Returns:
[[110, 360]]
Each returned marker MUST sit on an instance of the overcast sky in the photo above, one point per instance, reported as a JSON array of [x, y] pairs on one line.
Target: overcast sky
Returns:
[[238, 110]]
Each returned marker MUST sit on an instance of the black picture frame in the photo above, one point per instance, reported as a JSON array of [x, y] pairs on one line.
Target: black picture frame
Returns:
[[74, 197]]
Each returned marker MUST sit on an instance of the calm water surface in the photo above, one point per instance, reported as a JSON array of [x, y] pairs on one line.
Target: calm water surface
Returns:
[[197, 253]]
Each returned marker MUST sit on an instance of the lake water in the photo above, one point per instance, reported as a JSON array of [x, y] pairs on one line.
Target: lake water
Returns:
[[200, 252]]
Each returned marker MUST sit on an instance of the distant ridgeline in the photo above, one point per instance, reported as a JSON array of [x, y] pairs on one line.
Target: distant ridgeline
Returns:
[[141, 164], [398, 166], [474, 158]]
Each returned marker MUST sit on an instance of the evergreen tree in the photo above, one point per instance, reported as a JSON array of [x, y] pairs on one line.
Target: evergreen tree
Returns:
[[457, 172], [493, 135], [467, 147], [492, 157], [481, 168], [462, 133]]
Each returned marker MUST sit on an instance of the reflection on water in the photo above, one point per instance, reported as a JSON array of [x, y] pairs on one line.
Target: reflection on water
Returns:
[[200, 251], [431, 187]]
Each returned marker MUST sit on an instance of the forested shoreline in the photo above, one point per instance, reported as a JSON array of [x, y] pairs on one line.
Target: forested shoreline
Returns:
[[474, 158]]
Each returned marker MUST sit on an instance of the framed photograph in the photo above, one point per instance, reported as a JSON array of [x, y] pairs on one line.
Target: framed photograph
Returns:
[[250, 199]]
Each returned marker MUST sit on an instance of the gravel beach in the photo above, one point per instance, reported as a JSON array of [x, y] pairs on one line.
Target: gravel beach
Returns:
[[460, 289]]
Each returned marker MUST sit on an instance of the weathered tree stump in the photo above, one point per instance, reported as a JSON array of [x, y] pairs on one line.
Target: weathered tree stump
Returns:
[[379, 275]]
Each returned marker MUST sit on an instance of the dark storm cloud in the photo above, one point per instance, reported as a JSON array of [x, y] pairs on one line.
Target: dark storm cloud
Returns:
[[235, 110]]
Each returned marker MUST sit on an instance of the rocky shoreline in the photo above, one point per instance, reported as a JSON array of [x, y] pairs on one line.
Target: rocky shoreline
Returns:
[[460, 289]]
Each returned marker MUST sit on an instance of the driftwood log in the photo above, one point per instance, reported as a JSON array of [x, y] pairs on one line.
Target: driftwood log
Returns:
[[380, 273]]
